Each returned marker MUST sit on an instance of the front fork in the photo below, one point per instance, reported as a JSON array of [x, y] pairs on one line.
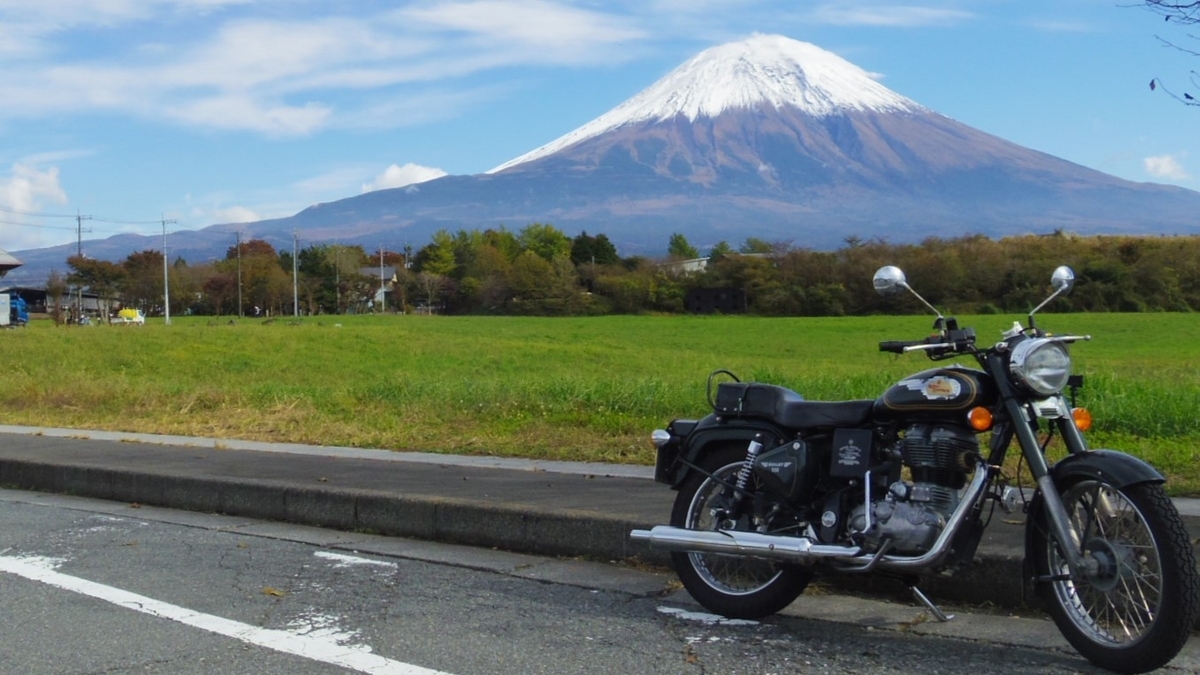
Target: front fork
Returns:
[[1022, 424]]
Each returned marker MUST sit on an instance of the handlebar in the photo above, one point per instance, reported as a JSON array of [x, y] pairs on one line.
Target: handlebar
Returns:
[[943, 344], [898, 346]]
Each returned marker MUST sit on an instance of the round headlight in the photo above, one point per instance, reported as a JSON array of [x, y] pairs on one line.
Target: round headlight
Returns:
[[1042, 365]]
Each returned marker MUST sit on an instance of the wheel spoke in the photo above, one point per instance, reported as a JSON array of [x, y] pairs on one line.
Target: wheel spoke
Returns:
[[730, 573], [1118, 602]]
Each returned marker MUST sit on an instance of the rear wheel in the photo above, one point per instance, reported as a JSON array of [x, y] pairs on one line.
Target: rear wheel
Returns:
[[735, 586], [1133, 608]]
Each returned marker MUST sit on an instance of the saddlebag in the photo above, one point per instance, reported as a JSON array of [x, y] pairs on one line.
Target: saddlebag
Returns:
[[752, 399]]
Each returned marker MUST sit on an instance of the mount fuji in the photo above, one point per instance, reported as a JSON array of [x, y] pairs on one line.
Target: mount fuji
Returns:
[[768, 137]]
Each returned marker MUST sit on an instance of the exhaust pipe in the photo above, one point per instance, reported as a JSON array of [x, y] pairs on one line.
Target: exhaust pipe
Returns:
[[728, 542]]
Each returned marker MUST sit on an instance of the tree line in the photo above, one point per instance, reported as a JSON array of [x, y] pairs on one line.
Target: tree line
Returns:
[[540, 270]]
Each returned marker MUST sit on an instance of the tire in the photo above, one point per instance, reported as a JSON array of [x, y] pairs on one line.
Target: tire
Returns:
[[738, 587], [1135, 609]]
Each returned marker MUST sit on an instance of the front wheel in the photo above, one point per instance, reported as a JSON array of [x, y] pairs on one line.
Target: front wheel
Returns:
[[740, 587], [1133, 608]]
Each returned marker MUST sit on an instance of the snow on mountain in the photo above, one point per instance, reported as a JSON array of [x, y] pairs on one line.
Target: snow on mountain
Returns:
[[770, 70]]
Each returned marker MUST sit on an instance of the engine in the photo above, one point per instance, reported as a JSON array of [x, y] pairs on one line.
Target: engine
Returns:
[[913, 514]]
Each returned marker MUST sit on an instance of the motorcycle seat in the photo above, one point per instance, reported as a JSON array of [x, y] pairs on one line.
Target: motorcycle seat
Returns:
[[787, 408]]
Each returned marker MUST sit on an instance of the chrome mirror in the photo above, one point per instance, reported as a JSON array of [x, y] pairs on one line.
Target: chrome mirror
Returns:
[[1063, 279], [889, 280]]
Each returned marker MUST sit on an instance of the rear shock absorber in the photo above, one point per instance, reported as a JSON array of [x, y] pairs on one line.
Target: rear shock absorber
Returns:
[[752, 451]]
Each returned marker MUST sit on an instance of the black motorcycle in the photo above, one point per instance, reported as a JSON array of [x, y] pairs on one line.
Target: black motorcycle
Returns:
[[771, 486]]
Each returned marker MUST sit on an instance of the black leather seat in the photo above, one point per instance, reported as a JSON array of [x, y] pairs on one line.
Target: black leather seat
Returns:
[[787, 408]]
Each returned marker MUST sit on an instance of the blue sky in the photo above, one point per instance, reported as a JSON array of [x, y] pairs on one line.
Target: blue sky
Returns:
[[217, 111]]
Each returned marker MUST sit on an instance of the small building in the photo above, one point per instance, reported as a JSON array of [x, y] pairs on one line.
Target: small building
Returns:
[[385, 283], [713, 300], [8, 262]]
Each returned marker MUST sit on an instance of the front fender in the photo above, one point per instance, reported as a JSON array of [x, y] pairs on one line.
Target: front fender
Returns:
[[1115, 468], [710, 433]]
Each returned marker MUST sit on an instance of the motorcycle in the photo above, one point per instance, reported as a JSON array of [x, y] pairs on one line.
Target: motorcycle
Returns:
[[773, 487]]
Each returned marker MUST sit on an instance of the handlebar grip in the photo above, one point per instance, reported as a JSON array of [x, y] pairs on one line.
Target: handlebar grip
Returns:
[[897, 346]]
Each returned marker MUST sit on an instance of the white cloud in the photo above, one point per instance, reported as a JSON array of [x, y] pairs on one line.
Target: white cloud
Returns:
[[556, 31], [27, 190], [399, 176], [1165, 166], [246, 113], [898, 16], [235, 214], [241, 68]]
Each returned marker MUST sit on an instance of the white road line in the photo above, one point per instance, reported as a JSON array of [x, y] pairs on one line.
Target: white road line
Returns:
[[313, 647], [343, 560]]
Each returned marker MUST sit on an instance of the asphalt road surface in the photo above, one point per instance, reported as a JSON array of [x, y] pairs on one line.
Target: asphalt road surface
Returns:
[[98, 587]]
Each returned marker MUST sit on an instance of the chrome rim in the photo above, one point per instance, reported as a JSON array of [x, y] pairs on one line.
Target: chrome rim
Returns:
[[729, 574], [1118, 599]]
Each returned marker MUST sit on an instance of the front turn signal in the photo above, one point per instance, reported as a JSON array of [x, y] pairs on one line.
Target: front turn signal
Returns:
[[980, 419], [1083, 418]]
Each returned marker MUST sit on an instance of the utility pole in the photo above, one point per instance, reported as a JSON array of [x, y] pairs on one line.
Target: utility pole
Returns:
[[166, 282], [79, 251], [79, 233], [239, 270], [382, 293], [295, 285]]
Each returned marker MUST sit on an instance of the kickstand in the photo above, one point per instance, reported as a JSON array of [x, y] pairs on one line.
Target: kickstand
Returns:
[[933, 609]]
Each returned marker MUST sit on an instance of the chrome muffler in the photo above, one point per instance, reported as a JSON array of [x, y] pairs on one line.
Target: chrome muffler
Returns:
[[729, 542]]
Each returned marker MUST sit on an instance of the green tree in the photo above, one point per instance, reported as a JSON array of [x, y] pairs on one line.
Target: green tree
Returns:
[[547, 241], [438, 256], [56, 290], [680, 249], [263, 282], [98, 276], [721, 248], [756, 245], [598, 250], [142, 281]]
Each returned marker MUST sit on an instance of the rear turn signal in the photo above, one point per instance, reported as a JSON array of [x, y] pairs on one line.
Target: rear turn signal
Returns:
[[980, 419], [1083, 418]]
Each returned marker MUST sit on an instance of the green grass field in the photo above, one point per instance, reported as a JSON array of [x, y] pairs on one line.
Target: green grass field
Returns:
[[566, 388]]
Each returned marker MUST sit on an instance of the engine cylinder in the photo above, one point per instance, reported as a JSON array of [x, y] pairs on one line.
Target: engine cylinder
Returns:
[[936, 454]]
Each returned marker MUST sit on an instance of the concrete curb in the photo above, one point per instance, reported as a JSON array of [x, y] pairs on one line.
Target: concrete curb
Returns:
[[510, 527]]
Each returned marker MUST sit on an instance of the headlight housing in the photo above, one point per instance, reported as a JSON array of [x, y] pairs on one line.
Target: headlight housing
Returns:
[[1041, 365]]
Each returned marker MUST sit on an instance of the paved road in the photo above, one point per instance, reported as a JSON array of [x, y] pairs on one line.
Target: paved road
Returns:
[[539, 507], [90, 586]]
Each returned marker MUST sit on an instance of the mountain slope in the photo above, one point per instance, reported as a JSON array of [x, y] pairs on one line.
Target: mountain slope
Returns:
[[767, 137]]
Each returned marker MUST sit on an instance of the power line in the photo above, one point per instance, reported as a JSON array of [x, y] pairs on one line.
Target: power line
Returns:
[[37, 225], [7, 209], [128, 222]]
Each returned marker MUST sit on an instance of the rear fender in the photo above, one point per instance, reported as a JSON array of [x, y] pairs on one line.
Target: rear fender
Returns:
[[707, 435]]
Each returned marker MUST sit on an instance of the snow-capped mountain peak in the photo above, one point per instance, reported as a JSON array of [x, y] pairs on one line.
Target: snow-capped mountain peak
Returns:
[[771, 70]]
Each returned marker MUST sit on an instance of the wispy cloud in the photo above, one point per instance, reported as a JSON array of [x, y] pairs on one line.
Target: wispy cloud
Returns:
[[1165, 166], [897, 16], [536, 28], [232, 70], [235, 214]]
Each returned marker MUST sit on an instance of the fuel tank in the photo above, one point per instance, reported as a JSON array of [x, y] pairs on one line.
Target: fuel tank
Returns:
[[938, 393]]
